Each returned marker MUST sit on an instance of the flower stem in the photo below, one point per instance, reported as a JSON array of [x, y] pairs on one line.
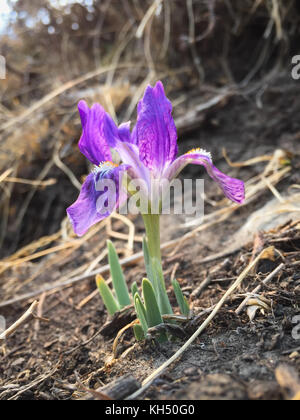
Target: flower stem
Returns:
[[152, 225]]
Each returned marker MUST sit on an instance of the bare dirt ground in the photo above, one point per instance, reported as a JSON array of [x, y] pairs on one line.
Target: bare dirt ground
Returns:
[[235, 357]]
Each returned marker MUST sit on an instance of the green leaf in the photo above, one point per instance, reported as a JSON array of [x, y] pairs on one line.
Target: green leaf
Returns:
[[181, 299], [141, 312], [117, 275], [162, 296], [134, 289], [109, 301], [156, 277], [152, 310], [138, 332]]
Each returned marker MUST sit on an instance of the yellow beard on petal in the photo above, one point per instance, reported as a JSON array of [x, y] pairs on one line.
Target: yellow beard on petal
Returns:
[[104, 167], [200, 151]]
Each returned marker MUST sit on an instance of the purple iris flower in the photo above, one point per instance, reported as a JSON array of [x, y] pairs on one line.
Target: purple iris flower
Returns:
[[148, 152]]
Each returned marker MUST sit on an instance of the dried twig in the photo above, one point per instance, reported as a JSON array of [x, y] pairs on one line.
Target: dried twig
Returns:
[[39, 315], [5, 174], [87, 299], [258, 288], [250, 162], [120, 333], [197, 60], [149, 14], [42, 184], [34, 383], [58, 162], [24, 318]]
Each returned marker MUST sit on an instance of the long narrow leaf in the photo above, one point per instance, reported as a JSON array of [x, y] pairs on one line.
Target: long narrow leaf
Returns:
[[181, 299], [142, 306], [162, 296], [134, 289], [108, 299], [138, 332], [141, 312], [156, 277], [117, 275], [152, 310]]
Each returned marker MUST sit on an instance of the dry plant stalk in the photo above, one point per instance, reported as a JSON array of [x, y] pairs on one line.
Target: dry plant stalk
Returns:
[[250, 162], [258, 288], [5, 174], [120, 333], [24, 318], [41, 184]]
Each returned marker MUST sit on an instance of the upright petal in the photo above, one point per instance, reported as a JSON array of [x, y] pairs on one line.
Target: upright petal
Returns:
[[124, 132], [98, 135], [129, 154], [94, 202], [233, 188], [134, 139], [155, 133]]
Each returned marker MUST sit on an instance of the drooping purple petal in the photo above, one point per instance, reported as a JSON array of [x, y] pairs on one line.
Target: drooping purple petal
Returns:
[[100, 195], [155, 133], [98, 135], [233, 188]]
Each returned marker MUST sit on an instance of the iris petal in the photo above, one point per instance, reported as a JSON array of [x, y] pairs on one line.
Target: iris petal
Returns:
[[98, 133], [129, 154], [91, 206], [233, 188], [124, 132], [155, 133]]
